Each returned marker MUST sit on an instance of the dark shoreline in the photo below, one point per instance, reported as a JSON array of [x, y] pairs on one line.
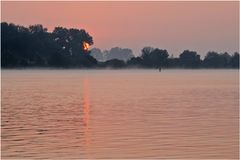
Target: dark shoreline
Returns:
[[109, 68]]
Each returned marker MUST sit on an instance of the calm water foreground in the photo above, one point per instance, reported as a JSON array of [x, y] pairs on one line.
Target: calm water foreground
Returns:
[[52, 114]]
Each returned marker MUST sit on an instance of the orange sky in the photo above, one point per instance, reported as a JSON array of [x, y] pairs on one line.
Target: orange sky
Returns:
[[175, 26]]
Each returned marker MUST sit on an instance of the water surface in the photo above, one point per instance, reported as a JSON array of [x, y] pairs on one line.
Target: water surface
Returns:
[[52, 114]]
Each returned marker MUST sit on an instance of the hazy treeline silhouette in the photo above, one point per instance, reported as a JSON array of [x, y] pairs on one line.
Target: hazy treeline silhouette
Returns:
[[124, 54], [33, 46], [158, 58]]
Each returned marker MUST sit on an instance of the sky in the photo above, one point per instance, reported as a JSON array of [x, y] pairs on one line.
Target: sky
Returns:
[[200, 26]]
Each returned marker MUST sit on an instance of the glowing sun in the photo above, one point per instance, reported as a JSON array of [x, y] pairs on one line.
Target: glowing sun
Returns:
[[85, 46]]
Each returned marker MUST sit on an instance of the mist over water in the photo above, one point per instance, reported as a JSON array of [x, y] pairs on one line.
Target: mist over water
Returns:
[[52, 114]]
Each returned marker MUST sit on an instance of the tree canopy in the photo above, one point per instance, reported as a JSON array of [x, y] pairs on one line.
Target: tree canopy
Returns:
[[34, 46]]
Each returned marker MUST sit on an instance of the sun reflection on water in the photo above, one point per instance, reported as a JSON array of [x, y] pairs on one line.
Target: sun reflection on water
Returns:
[[86, 103], [86, 116]]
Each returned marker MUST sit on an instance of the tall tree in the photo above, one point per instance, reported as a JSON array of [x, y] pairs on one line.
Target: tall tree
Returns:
[[234, 61], [154, 57], [189, 59]]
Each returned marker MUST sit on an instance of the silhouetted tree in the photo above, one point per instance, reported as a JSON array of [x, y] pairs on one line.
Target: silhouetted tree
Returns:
[[215, 60], [71, 40], [173, 62], [234, 61], [159, 57], [97, 54], [189, 59], [154, 57], [118, 53], [114, 63], [38, 28], [135, 62], [34, 46], [146, 51]]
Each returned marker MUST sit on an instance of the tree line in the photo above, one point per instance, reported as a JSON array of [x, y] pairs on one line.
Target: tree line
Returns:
[[34, 46], [158, 58]]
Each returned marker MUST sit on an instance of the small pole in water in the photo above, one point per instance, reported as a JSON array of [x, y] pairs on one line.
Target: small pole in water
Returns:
[[160, 69]]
